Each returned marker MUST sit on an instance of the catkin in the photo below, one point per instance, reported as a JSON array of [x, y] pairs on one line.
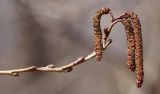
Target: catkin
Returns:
[[138, 48], [131, 43], [98, 46]]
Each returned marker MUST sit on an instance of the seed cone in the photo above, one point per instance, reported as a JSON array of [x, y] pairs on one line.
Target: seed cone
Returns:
[[131, 43], [98, 46]]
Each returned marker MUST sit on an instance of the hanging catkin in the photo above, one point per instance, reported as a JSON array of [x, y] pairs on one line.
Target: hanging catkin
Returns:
[[131, 43], [98, 46], [138, 48]]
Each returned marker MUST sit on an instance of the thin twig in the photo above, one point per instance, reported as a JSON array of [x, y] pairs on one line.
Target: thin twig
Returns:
[[52, 68]]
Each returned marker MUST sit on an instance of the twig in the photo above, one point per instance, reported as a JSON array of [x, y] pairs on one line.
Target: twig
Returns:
[[52, 68]]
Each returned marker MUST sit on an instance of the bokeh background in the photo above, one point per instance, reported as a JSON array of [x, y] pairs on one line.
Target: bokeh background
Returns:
[[42, 32]]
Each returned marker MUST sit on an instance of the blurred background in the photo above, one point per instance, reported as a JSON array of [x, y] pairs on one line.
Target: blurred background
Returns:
[[42, 32]]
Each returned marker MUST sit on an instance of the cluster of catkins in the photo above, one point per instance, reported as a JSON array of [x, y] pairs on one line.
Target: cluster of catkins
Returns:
[[133, 31]]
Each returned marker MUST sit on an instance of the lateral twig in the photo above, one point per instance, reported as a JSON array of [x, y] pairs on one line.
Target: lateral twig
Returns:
[[52, 68]]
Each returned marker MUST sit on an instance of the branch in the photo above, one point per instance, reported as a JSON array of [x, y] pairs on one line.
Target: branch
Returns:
[[67, 67], [51, 67], [134, 40]]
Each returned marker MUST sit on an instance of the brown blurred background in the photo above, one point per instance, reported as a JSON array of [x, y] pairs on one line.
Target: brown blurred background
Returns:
[[41, 32]]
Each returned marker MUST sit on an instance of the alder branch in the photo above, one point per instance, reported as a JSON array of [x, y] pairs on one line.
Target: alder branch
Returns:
[[51, 67], [132, 25], [67, 67]]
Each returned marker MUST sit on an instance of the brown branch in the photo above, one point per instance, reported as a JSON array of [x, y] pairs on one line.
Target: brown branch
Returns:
[[52, 68]]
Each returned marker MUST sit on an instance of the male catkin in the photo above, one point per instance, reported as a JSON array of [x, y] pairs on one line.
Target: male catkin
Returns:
[[131, 43], [98, 46], [138, 48]]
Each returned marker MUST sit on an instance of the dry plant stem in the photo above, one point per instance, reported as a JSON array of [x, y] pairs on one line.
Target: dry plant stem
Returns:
[[52, 68], [98, 46], [131, 43]]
